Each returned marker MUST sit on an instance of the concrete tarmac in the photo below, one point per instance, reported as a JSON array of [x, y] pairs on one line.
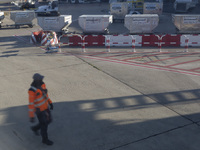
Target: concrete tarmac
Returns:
[[98, 105]]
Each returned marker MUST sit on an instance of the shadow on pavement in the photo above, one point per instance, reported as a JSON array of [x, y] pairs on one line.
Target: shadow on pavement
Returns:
[[98, 125], [14, 43]]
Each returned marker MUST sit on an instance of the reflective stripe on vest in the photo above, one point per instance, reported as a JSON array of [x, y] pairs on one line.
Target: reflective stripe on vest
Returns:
[[39, 99], [40, 104], [31, 103]]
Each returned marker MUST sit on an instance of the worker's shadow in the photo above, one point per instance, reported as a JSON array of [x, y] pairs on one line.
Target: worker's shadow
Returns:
[[102, 124]]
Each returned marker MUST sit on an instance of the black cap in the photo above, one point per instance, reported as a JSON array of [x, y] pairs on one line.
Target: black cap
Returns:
[[37, 76]]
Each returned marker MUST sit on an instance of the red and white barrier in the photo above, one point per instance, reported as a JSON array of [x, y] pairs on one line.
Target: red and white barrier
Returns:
[[108, 43], [49, 38], [166, 40], [193, 40], [44, 38], [95, 40], [89, 40], [36, 37], [173, 40], [33, 39], [124, 40]]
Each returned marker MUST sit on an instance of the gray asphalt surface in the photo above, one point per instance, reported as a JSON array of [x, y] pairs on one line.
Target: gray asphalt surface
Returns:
[[99, 104]]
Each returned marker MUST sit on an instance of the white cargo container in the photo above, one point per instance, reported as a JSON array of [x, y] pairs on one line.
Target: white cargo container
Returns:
[[153, 8], [141, 23], [1, 17], [184, 5], [22, 18], [57, 23], [95, 23], [187, 23], [119, 10]]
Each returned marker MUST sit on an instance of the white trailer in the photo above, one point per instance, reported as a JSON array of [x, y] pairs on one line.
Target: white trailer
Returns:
[[22, 18], [141, 23], [187, 23], [58, 24], [119, 10], [95, 23], [184, 5], [153, 8], [1, 17]]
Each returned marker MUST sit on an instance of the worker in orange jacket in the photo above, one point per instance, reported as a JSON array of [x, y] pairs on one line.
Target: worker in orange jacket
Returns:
[[39, 103]]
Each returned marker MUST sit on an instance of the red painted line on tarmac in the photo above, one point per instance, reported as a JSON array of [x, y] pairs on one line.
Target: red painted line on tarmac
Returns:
[[144, 66], [189, 70], [157, 53], [183, 63], [195, 69], [128, 53], [94, 53], [170, 58], [123, 53]]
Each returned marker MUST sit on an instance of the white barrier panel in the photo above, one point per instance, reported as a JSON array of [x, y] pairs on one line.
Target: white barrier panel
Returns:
[[193, 40], [124, 40]]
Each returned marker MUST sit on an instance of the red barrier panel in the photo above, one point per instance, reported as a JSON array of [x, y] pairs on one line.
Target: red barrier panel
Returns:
[[89, 40], [167, 40], [94, 40], [149, 40], [171, 40], [75, 40]]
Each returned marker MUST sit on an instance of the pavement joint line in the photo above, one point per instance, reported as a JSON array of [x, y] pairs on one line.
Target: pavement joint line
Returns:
[[15, 133], [151, 136]]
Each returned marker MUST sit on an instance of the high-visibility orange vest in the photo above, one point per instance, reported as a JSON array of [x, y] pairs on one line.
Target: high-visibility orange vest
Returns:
[[38, 100]]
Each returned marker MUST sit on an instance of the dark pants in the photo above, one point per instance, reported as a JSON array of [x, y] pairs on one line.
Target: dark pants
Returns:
[[44, 119]]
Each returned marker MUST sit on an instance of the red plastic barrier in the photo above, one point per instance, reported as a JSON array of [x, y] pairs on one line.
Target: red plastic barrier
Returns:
[[171, 40], [149, 40], [75, 40], [167, 40], [95, 40], [90, 40]]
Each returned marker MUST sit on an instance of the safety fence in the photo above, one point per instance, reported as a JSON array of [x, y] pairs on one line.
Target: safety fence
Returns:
[[133, 41]]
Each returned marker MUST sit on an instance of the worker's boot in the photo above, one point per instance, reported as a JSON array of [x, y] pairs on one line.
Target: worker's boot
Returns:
[[47, 141]]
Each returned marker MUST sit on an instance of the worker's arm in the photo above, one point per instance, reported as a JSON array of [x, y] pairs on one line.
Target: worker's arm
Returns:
[[31, 106]]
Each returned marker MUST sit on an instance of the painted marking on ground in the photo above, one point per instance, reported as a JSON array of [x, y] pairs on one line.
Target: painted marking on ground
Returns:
[[170, 58], [144, 66], [186, 62]]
